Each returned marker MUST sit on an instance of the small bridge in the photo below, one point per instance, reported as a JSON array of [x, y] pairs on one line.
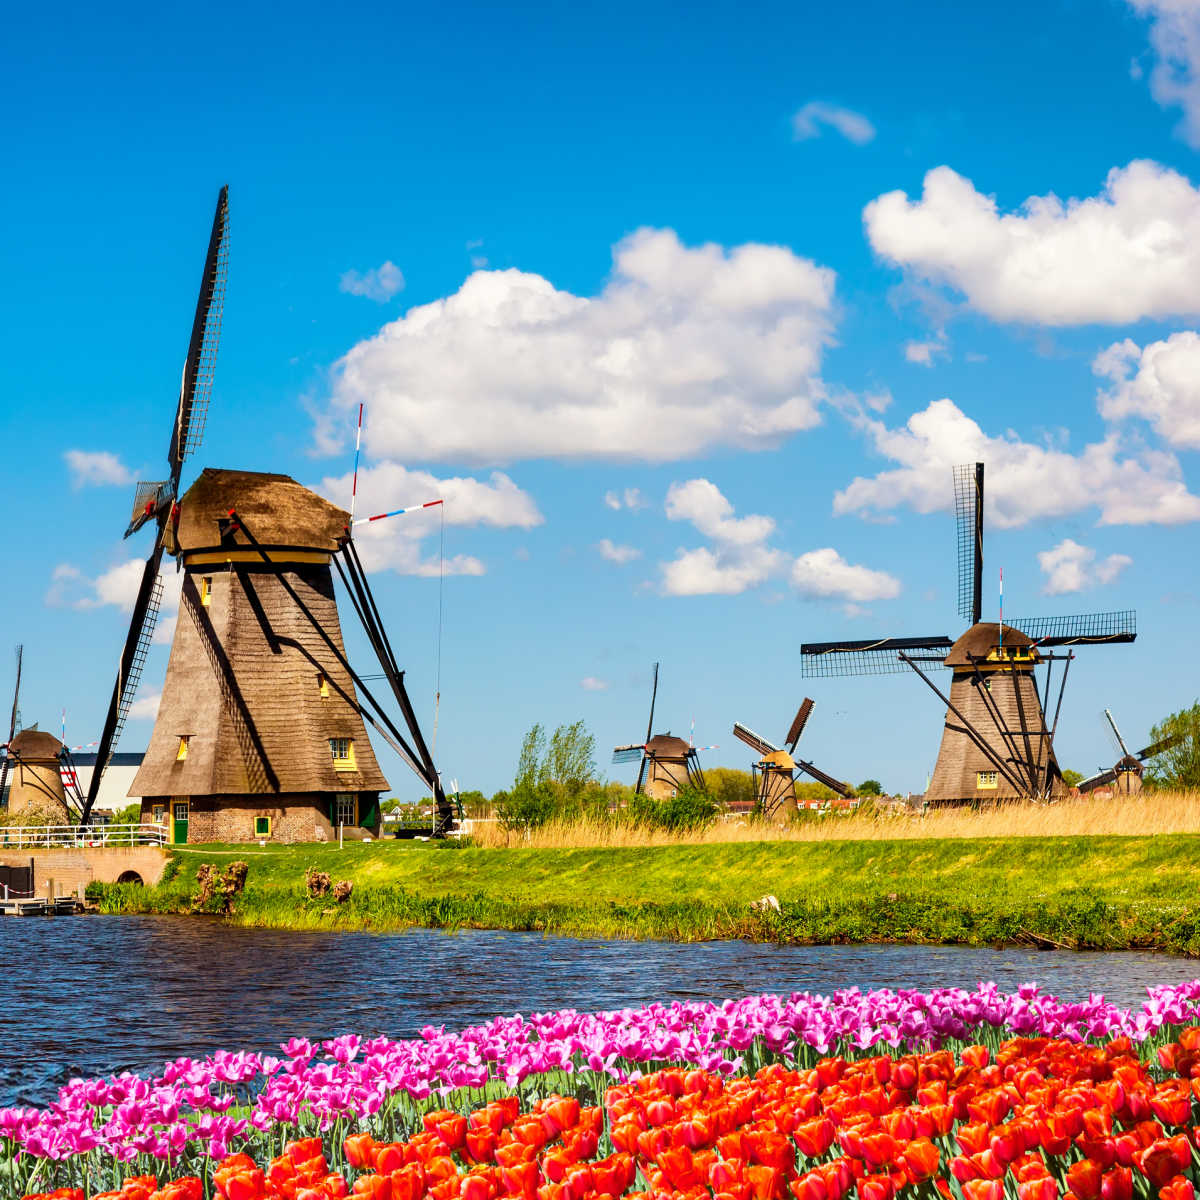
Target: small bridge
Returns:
[[45, 862]]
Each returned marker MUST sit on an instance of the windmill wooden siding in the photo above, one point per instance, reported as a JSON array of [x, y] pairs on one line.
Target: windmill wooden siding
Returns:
[[34, 786], [777, 786], [254, 682], [986, 676], [667, 769]]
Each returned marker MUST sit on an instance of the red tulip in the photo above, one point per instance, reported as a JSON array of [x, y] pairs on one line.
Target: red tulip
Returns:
[[875, 1187], [1178, 1188], [920, 1160], [1040, 1188], [983, 1189], [1083, 1179]]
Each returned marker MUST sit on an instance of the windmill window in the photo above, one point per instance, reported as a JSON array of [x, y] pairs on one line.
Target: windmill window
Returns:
[[205, 590], [182, 752], [342, 751], [262, 826], [986, 780], [323, 687], [345, 808]]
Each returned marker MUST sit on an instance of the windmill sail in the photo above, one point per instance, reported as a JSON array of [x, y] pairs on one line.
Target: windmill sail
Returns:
[[186, 431], [873, 656], [798, 723], [1082, 629], [968, 511], [752, 739]]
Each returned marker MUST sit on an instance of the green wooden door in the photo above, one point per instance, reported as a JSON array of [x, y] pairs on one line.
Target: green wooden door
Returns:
[[179, 822]]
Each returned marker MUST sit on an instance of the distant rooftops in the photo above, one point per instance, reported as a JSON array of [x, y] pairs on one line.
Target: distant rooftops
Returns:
[[116, 760]]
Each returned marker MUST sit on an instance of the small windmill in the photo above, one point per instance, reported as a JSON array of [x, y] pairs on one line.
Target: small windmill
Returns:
[[996, 741], [261, 729], [775, 771], [1126, 773], [668, 764], [37, 775]]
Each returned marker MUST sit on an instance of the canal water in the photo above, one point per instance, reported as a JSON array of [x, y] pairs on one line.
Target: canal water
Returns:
[[95, 995]]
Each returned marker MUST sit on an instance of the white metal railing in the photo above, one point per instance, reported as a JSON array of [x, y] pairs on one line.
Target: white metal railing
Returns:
[[20, 837]]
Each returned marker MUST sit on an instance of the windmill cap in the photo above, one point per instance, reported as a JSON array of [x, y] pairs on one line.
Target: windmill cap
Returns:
[[983, 639], [277, 511], [33, 744], [666, 746]]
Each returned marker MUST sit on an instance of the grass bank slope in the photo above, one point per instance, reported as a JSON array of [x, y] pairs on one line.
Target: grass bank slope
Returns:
[[1079, 892]]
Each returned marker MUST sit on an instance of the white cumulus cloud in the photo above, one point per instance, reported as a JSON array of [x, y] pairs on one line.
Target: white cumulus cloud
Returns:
[[685, 348], [923, 353], [1175, 77], [616, 553], [816, 116], [96, 467], [118, 588], [1025, 481], [827, 575], [395, 543], [146, 706], [379, 283], [740, 558], [1158, 383], [590, 683], [1070, 567], [629, 498], [1132, 251]]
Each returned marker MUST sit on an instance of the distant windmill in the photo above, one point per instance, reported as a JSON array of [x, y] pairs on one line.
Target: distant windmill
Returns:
[[37, 776], [668, 764], [996, 742], [260, 731], [775, 772], [1126, 772]]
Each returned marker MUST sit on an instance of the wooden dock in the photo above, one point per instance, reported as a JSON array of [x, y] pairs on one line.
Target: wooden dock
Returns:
[[60, 906]]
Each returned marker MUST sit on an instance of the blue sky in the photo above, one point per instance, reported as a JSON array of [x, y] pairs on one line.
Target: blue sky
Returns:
[[687, 315]]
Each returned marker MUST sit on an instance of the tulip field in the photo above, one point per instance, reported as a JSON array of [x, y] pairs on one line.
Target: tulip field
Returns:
[[872, 1096]]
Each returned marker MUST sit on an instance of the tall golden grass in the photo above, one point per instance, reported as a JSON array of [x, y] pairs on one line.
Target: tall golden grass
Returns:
[[1128, 816]]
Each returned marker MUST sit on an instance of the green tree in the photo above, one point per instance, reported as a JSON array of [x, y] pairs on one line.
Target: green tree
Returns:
[[529, 763], [570, 761], [1177, 766], [728, 785], [870, 787], [131, 814], [1071, 778]]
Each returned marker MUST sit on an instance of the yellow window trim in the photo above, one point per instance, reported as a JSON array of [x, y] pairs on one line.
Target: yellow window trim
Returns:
[[205, 590], [343, 762], [182, 752], [323, 684], [986, 780], [262, 832]]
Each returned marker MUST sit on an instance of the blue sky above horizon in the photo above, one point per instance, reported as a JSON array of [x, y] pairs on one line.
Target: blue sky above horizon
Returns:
[[687, 317]]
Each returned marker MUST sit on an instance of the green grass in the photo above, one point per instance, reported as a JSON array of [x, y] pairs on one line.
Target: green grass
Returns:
[[1085, 892]]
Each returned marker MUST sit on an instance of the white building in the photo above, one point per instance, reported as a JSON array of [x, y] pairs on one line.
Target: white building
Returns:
[[114, 787]]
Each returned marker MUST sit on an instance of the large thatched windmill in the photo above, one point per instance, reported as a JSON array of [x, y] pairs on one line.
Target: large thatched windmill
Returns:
[[668, 764], [775, 771], [260, 730], [996, 741], [1125, 775]]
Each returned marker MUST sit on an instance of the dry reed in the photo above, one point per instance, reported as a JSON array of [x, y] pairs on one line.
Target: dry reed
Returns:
[[1158, 812]]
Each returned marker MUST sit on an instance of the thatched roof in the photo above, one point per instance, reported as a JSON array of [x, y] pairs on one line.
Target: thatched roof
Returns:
[[663, 745], [276, 510], [35, 744], [981, 639]]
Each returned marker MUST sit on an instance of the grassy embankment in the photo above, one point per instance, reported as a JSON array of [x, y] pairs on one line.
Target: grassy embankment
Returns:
[[856, 883]]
